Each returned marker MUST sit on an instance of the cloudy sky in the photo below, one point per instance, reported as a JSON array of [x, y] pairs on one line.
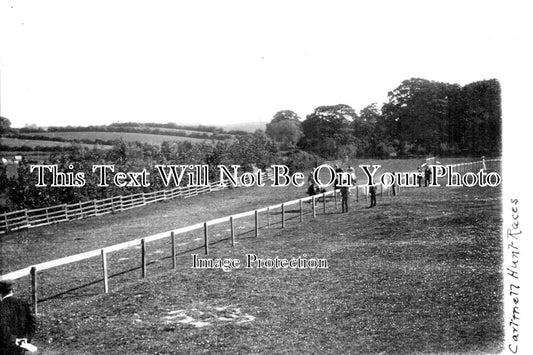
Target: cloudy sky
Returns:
[[207, 62]]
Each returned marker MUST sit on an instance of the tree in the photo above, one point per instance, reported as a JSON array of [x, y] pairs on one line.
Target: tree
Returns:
[[366, 130], [5, 125], [253, 149], [285, 115], [285, 129], [482, 117], [327, 129], [417, 115]]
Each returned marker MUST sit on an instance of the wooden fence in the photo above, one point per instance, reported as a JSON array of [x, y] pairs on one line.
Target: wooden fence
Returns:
[[32, 271], [31, 218]]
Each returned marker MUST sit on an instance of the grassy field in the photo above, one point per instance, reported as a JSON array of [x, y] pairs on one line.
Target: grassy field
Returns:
[[421, 273], [127, 136], [15, 142], [187, 131]]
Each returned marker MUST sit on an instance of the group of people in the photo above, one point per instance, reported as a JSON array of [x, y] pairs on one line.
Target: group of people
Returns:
[[424, 173], [343, 186]]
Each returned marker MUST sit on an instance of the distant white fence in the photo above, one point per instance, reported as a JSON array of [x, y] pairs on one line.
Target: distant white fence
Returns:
[[31, 218], [360, 192]]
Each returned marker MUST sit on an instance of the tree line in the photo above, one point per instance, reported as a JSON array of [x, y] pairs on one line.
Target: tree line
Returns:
[[252, 150], [199, 132], [421, 117]]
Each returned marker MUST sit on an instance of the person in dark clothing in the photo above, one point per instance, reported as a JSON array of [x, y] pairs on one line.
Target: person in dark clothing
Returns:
[[345, 193], [312, 189], [427, 176], [372, 190], [338, 170], [17, 322], [394, 184], [419, 176]]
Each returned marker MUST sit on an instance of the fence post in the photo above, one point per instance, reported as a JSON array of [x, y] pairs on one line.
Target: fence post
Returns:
[[66, 212], [232, 231], [173, 242], [256, 223], [144, 199], [94, 204], [206, 239], [143, 257], [104, 269], [47, 216], [27, 218], [381, 193], [282, 215], [301, 212], [335, 198], [324, 201], [366, 193], [33, 273], [314, 207], [268, 218], [357, 193], [6, 222], [121, 207]]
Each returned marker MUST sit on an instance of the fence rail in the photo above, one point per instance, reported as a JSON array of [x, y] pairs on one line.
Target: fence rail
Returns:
[[32, 218], [62, 210]]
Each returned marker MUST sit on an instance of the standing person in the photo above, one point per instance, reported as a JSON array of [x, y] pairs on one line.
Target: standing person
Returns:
[[427, 176], [338, 170], [345, 192], [372, 191], [351, 171], [419, 176], [17, 322], [394, 183]]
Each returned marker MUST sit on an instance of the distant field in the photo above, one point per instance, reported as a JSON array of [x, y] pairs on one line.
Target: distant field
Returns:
[[129, 137], [186, 131], [420, 273], [14, 142]]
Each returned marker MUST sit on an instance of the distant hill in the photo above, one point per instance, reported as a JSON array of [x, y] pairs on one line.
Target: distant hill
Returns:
[[247, 127]]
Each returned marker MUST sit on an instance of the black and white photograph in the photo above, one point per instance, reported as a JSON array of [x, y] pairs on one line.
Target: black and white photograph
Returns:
[[265, 177]]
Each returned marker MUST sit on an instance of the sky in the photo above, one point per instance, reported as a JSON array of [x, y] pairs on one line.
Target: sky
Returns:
[[220, 62]]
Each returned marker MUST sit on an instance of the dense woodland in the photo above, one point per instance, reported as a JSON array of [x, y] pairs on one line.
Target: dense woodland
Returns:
[[421, 118]]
